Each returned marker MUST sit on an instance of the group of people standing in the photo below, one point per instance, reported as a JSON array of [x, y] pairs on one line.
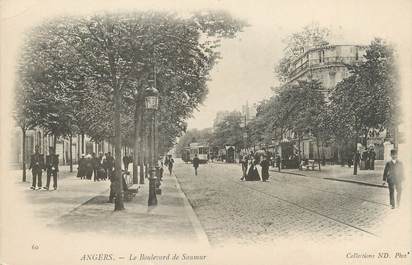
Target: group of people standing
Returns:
[[37, 165], [365, 159], [250, 167], [101, 167], [169, 163]]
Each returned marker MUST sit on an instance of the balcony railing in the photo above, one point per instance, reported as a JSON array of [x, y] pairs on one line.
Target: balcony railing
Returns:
[[325, 62]]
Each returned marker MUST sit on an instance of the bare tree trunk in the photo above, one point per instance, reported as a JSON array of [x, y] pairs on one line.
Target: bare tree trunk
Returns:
[[145, 153], [340, 160], [78, 148], [300, 153], [24, 153], [142, 150], [71, 150], [63, 155], [365, 138], [141, 161], [156, 138], [355, 162], [323, 154], [136, 151], [54, 143], [118, 205], [396, 137], [317, 147], [82, 143], [149, 145]]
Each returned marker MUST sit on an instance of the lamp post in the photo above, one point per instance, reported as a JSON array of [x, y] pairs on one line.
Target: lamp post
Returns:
[[151, 104]]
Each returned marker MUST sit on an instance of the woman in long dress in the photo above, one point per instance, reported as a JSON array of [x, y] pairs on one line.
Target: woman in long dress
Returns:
[[253, 173], [89, 167]]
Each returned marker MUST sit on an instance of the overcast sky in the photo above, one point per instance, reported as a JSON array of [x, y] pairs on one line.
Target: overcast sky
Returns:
[[246, 70]]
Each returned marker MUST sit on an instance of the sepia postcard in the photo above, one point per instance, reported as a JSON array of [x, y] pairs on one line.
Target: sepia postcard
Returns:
[[216, 132]]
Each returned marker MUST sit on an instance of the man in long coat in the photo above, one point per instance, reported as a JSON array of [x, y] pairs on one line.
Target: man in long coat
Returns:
[[372, 157], [196, 163], [393, 175], [265, 168], [36, 166], [81, 169], [52, 166]]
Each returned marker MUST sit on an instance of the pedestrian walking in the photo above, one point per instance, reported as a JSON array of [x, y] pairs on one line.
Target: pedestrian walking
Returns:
[[372, 157], [196, 163], [101, 173], [109, 164], [170, 164], [36, 166], [126, 161], [365, 160], [95, 164], [253, 173], [393, 175], [52, 167], [112, 186], [244, 162], [81, 168], [166, 161], [265, 168], [89, 167], [277, 161], [356, 161], [105, 166], [161, 170]]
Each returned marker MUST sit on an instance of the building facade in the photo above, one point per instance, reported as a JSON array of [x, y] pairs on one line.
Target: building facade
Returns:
[[328, 64], [37, 137]]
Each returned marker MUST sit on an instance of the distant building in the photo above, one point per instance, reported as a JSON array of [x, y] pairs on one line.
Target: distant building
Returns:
[[249, 111]]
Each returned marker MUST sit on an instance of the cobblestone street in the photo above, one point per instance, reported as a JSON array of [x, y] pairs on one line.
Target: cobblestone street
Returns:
[[288, 206]]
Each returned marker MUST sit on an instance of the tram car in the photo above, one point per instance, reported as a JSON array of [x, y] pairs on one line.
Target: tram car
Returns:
[[201, 150]]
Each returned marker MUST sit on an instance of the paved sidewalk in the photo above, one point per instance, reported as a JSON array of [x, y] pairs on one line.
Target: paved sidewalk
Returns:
[[81, 206], [64, 171], [48, 205], [173, 217], [339, 173]]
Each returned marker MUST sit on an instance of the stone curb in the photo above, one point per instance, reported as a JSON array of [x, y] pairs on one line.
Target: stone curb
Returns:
[[200, 233], [335, 179], [356, 182], [290, 173]]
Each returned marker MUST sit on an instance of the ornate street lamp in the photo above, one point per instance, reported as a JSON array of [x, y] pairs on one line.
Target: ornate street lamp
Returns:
[[152, 104]]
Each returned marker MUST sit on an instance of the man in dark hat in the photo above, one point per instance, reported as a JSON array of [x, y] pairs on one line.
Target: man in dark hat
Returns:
[[110, 164], [36, 166], [170, 164], [244, 163], [81, 169], [196, 163], [278, 162], [372, 157], [52, 166], [265, 168], [393, 175]]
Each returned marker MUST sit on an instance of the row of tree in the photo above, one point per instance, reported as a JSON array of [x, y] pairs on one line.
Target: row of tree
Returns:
[[88, 75]]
